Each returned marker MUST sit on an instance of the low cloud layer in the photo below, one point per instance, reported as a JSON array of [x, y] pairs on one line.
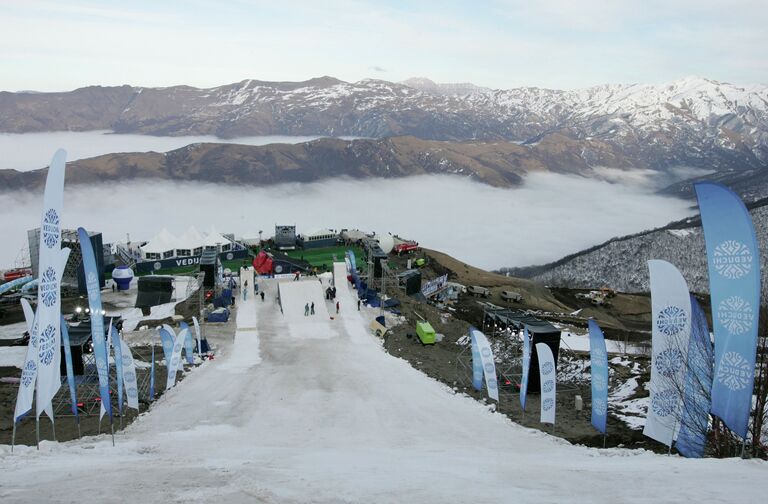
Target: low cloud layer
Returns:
[[550, 216]]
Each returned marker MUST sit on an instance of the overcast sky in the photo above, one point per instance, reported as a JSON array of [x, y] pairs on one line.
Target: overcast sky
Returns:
[[56, 45]]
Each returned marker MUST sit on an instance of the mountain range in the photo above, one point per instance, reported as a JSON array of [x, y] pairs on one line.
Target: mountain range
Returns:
[[691, 123]]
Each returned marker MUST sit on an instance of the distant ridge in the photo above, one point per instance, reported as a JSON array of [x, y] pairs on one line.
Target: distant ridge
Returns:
[[691, 122]]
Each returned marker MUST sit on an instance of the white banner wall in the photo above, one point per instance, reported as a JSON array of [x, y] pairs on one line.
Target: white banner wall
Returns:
[[489, 366], [26, 394], [175, 363], [548, 378], [671, 326], [129, 376], [51, 262]]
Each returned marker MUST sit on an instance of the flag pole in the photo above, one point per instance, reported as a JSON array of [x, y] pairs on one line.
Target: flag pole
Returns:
[[112, 428], [674, 428], [37, 431], [53, 429], [13, 436]]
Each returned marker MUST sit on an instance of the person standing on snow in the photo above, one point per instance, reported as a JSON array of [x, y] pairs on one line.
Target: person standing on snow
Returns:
[[306, 310], [312, 308], [262, 296], [337, 307]]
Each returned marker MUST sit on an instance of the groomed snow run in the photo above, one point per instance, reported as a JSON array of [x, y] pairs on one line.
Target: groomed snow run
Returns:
[[287, 415]]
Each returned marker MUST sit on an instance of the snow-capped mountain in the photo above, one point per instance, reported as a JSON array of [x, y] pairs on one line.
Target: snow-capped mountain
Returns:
[[692, 122], [621, 263], [454, 89]]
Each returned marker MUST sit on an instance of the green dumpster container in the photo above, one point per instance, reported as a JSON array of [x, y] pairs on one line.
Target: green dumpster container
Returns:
[[426, 333]]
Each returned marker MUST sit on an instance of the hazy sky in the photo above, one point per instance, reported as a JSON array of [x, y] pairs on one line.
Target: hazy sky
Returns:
[[56, 45]]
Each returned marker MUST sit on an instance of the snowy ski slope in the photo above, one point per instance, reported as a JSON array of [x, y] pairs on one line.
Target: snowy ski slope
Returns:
[[295, 295], [291, 415]]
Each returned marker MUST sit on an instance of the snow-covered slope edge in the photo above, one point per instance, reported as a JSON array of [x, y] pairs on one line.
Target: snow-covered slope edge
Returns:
[[621, 263]]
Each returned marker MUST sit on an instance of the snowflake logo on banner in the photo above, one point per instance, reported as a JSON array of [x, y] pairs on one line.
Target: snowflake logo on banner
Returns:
[[598, 381], [599, 407], [486, 352], [33, 336], [47, 343], [669, 362], [127, 360], [732, 259], [132, 393], [28, 373], [49, 287], [50, 228], [672, 320], [92, 284], [735, 314], [734, 371], [492, 385], [548, 404], [489, 368], [598, 355], [547, 386], [546, 368], [129, 376], [664, 402]]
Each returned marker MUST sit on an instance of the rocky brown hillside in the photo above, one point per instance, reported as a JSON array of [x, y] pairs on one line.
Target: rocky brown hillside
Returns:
[[500, 164]]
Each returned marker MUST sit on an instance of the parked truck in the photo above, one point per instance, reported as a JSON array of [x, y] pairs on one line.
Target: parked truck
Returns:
[[513, 296], [476, 290]]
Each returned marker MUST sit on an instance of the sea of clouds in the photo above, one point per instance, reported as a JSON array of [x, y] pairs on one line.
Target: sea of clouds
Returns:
[[550, 216]]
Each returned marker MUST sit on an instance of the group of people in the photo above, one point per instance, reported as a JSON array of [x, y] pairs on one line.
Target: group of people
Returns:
[[309, 308], [245, 292]]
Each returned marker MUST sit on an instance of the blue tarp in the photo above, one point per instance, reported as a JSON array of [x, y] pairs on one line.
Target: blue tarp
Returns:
[[220, 315]]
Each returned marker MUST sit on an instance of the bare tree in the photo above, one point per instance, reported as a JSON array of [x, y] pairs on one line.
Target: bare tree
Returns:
[[758, 447]]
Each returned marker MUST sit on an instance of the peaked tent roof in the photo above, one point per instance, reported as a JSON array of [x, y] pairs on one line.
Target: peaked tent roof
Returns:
[[213, 237], [191, 239], [161, 242]]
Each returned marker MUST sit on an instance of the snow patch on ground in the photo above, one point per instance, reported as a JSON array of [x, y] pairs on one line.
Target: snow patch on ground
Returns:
[[12, 356]]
